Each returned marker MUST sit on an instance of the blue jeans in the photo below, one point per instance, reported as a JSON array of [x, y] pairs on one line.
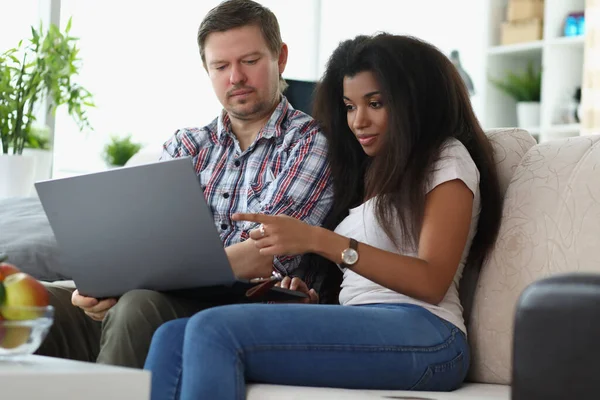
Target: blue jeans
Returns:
[[381, 346]]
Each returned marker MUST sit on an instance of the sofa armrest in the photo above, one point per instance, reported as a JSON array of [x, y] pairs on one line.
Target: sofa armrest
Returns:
[[556, 350]]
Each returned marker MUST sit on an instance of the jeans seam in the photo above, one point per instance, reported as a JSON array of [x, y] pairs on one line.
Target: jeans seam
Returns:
[[240, 380], [177, 387], [359, 348], [431, 370], [451, 365]]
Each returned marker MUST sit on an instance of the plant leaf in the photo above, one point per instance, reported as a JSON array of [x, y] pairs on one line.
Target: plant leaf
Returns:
[[523, 86]]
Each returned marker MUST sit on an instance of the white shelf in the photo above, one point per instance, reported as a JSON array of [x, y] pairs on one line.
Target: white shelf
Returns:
[[520, 48], [560, 59], [536, 46], [577, 41]]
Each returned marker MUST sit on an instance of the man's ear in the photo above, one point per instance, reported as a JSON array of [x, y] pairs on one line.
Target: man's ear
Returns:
[[283, 56]]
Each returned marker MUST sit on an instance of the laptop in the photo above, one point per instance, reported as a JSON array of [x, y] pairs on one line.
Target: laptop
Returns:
[[141, 227]]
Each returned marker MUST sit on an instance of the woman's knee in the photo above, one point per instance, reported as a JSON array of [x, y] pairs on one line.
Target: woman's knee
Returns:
[[170, 332], [220, 322]]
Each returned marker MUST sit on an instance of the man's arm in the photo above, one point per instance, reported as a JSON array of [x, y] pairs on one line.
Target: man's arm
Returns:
[[246, 261], [301, 190], [184, 142]]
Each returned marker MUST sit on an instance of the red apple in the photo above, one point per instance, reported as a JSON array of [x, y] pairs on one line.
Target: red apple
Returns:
[[22, 290], [7, 269]]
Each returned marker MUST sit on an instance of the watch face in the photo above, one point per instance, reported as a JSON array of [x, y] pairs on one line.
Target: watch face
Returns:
[[349, 256]]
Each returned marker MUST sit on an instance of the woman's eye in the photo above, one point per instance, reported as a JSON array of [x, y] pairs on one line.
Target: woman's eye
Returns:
[[375, 104], [349, 107]]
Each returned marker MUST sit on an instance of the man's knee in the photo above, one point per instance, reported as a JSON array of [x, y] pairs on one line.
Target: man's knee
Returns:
[[139, 306], [128, 326]]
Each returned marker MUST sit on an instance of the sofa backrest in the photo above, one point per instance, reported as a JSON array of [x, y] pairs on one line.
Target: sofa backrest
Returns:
[[550, 225], [510, 145]]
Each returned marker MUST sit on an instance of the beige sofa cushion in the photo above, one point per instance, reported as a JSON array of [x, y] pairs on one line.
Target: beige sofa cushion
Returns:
[[550, 225], [469, 391], [510, 145]]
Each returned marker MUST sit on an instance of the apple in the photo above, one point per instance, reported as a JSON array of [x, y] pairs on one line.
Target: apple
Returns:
[[13, 336], [7, 269], [22, 290]]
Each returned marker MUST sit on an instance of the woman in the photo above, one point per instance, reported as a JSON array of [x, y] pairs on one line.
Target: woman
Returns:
[[416, 192]]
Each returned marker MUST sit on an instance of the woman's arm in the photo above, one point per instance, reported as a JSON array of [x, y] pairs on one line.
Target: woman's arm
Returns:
[[443, 237], [427, 277]]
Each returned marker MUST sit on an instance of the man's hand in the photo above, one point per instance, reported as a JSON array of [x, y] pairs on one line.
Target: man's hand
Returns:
[[299, 285], [94, 308], [246, 262]]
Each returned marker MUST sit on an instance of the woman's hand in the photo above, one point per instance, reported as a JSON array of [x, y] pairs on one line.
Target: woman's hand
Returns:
[[299, 285], [279, 234]]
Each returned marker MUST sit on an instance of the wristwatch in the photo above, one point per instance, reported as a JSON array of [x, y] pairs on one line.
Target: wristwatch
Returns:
[[350, 255]]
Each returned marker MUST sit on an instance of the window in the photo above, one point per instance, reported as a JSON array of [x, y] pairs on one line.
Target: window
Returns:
[[16, 20], [141, 63]]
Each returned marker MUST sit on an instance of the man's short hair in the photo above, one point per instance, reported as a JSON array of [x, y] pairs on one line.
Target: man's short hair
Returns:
[[232, 14]]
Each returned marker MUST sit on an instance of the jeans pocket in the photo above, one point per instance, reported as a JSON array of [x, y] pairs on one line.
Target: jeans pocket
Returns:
[[444, 376]]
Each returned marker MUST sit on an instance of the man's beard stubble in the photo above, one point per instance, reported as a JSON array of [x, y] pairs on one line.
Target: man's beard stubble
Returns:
[[258, 109]]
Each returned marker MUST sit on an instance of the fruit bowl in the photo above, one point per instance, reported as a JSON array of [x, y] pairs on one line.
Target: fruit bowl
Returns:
[[22, 329]]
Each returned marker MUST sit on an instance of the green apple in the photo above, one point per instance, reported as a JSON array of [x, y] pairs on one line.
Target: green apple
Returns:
[[22, 290]]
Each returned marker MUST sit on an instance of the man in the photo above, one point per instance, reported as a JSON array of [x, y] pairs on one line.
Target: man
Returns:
[[259, 155]]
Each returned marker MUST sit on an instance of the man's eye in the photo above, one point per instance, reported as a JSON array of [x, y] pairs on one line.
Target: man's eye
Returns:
[[251, 62], [220, 68]]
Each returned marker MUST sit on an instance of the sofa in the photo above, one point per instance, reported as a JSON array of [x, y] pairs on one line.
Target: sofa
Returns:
[[540, 273], [531, 296]]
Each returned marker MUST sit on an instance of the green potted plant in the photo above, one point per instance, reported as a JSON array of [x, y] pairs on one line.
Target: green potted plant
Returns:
[[33, 74], [38, 138], [119, 150], [525, 87]]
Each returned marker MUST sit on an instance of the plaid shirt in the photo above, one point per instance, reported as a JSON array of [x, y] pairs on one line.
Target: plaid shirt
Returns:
[[284, 171]]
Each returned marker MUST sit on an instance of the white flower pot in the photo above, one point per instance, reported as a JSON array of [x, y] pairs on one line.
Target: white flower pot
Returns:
[[528, 114], [43, 165], [16, 175]]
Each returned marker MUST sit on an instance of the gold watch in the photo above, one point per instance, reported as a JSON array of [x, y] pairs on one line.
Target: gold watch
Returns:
[[350, 255]]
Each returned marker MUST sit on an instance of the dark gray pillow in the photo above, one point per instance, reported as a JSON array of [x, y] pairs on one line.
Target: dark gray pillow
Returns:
[[27, 239]]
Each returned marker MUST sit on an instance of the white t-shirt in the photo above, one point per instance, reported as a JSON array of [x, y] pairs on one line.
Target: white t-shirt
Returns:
[[455, 163]]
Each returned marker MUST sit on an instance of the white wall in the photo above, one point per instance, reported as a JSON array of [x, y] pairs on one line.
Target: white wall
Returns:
[[142, 64], [141, 60], [15, 20], [300, 31], [448, 24]]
